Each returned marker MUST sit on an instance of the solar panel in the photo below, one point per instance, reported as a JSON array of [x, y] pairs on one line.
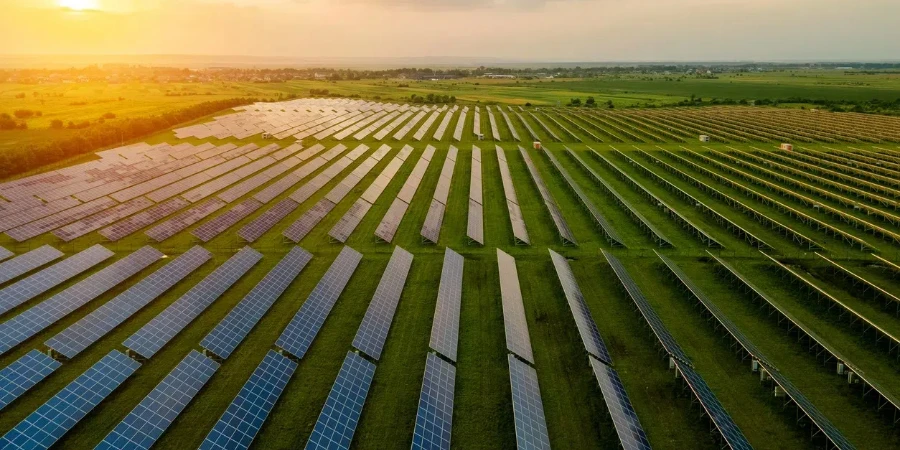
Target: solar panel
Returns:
[[528, 410], [445, 328], [729, 431], [625, 420], [165, 326], [34, 320], [183, 220], [377, 322], [518, 340], [512, 129], [391, 221], [23, 374], [254, 230], [27, 262], [143, 219], [226, 336], [475, 224], [42, 428], [60, 219], [246, 414], [659, 330], [213, 228], [300, 333], [519, 229], [434, 419], [336, 424], [431, 229], [89, 329], [299, 229], [28, 288], [141, 428], [102, 219], [4, 253], [344, 228], [552, 207], [587, 328]]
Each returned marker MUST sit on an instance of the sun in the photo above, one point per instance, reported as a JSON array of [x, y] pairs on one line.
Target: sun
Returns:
[[80, 5]]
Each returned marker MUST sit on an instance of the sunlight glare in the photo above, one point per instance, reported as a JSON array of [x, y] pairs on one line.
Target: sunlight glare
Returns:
[[79, 5]]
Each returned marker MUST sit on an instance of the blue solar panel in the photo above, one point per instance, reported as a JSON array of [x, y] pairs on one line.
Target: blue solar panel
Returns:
[[445, 327], [729, 431], [23, 374], [337, 422], [434, 419], [226, 336], [40, 282], [375, 325], [245, 415], [4, 253], [150, 419], [518, 340], [156, 333], [34, 320], [628, 427], [26, 262], [42, 428], [80, 335], [528, 410], [587, 328], [300, 333]]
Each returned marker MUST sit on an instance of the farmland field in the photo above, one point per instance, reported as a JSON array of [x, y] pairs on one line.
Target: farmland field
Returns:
[[814, 229]]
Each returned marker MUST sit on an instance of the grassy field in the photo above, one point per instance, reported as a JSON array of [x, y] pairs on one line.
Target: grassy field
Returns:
[[575, 411]]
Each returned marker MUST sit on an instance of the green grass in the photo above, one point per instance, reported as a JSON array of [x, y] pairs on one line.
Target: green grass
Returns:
[[576, 414]]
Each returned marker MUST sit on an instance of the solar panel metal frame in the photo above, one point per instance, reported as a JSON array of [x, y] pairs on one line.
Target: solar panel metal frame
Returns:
[[90, 328], [445, 327], [37, 318], [36, 284], [528, 409], [336, 425], [154, 335], [587, 327], [46, 425], [376, 324], [23, 374], [300, 333], [143, 426], [246, 414], [231, 330], [434, 417]]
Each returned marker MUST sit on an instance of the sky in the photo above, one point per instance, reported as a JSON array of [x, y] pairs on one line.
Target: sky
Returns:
[[514, 30]]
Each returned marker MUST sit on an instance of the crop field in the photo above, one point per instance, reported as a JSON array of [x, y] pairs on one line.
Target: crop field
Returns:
[[662, 291]]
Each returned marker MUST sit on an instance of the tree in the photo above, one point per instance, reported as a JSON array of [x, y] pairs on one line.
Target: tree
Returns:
[[590, 102], [575, 102], [56, 124], [609, 104]]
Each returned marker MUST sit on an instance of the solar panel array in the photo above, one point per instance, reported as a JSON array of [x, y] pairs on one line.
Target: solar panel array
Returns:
[[165, 326], [312, 162], [445, 328], [445, 122], [612, 236], [218, 225], [420, 133], [656, 326], [431, 229], [27, 262], [185, 219], [23, 374], [434, 417], [391, 221], [527, 126], [375, 325], [102, 219], [587, 328], [60, 219], [143, 426], [458, 132], [351, 219], [495, 132], [90, 328], [34, 320], [231, 330], [28, 288], [303, 328], [42, 428], [528, 410], [402, 132], [259, 226], [729, 431], [512, 201], [512, 129], [518, 340], [337, 423], [143, 219], [4, 253], [246, 414], [562, 227], [475, 224], [628, 428]]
